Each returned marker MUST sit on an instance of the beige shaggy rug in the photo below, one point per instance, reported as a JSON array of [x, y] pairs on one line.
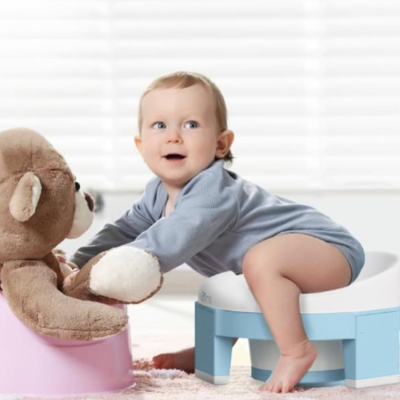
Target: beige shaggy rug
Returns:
[[176, 385]]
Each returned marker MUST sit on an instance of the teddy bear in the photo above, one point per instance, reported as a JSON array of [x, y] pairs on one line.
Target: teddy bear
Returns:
[[41, 205]]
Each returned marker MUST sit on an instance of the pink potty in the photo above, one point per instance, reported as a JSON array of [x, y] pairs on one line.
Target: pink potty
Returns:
[[35, 365]]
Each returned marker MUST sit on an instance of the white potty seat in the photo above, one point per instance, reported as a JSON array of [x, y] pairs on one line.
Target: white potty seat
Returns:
[[333, 320]]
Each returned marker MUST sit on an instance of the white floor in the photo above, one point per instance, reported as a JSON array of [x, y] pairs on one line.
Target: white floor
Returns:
[[165, 323]]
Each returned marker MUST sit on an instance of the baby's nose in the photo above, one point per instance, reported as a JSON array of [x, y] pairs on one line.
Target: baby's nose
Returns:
[[174, 135]]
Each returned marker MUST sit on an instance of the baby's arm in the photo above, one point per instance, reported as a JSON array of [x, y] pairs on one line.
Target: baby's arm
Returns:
[[124, 230], [129, 274], [205, 209]]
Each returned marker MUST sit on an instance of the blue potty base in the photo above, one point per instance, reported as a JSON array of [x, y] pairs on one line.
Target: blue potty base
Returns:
[[328, 366], [310, 377], [370, 342]]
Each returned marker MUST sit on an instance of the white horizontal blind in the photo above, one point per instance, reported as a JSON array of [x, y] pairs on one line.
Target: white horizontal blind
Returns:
[[312, 86]]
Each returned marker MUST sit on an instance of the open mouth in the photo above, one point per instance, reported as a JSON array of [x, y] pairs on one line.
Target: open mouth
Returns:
[[175, 157]]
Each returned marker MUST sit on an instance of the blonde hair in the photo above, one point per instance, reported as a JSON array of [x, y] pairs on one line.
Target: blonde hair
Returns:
[[184, 80]]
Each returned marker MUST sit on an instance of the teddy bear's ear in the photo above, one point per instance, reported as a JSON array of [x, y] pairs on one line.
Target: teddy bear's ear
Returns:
[[25, 197]]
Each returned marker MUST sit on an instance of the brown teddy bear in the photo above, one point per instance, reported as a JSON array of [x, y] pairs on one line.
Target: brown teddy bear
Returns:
[[41, 205]]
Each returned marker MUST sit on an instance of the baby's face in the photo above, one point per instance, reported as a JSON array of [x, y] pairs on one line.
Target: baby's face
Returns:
[[179, 133]]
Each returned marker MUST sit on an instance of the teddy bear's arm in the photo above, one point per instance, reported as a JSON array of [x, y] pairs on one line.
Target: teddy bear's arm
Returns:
[[79, 289], [121, 275], [54, 264], [30, 289]]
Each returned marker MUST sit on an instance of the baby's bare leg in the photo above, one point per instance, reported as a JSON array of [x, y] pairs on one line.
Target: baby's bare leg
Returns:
[[277, 270], [183, 360]]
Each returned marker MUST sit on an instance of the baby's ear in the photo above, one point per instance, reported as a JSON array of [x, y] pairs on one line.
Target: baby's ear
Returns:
[[25, 197], [138, 143], [224, 143]]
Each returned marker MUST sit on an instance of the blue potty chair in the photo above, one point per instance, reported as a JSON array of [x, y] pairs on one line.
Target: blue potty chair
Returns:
[[355, 329]]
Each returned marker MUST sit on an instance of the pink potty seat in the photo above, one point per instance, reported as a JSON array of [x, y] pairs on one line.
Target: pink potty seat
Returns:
[[36, 365]]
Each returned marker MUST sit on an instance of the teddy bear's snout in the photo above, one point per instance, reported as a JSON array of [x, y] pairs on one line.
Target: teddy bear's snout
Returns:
[[89, 201]]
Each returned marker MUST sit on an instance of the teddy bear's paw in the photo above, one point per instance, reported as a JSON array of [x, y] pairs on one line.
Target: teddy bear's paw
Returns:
[[126, 274]]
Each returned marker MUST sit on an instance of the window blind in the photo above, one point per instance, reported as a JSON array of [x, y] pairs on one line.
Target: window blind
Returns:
[[312, 86]]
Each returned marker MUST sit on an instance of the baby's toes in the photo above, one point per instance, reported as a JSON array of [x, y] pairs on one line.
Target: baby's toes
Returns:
[[277, 388], [285, 387], [267, 387], [163, 361], [272, 387]]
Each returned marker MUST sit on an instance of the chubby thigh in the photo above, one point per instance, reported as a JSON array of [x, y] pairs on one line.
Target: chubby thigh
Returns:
[[311, 263]]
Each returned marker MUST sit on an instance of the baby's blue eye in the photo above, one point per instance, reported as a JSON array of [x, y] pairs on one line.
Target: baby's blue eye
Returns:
[[159, 125], [191, 124]]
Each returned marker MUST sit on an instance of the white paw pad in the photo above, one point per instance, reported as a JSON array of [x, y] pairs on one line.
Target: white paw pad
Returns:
[[127, 274]]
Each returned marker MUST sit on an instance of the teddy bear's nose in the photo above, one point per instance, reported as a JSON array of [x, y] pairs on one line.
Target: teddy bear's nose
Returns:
[[89, 201]]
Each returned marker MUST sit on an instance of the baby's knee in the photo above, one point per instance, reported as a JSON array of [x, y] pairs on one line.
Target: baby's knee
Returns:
[[258, 267], [249, 265]]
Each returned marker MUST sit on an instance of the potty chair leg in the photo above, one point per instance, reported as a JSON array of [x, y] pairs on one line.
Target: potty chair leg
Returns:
[[212, 353], [372, 358]]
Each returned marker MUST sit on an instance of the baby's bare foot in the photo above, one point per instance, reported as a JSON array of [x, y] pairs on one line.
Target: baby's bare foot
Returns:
[[290, 368], [183, 360]]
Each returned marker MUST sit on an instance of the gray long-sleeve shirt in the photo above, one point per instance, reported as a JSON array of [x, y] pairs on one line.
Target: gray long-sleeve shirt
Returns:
[[217, 218]]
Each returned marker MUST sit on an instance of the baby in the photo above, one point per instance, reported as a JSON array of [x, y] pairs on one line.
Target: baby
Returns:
[[196, 212]]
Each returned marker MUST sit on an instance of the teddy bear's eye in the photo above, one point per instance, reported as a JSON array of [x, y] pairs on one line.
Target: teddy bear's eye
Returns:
[[77, 186]]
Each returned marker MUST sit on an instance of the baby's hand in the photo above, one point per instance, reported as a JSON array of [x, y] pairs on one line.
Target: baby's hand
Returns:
[[68, 268], [70, 278]]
